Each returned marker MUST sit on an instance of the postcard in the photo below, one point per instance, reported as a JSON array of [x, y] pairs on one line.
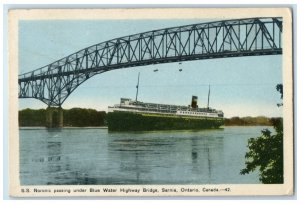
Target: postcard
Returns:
[[151, 102]]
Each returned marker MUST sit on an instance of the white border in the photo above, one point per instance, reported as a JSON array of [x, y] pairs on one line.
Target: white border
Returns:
[[63, 5]]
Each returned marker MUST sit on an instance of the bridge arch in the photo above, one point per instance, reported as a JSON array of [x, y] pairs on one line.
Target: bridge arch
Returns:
[[54, 82]]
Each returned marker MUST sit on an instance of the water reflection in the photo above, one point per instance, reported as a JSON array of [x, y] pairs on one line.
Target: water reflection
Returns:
[[130, 154], [53, 130], [141, 157], [94, 156], [205, 151], [61, 169]]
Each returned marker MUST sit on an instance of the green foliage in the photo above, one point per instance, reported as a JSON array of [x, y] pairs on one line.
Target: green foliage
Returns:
[[248, 121], [29, 117], [79, 117], [279, 88], [266, 152], [76, 117]]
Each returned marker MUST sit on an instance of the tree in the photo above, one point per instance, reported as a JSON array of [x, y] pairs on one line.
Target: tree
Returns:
[[279, 88], [266, 152]]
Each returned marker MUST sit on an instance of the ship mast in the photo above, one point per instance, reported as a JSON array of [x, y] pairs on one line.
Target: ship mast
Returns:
[[208, 97], [137, 87]]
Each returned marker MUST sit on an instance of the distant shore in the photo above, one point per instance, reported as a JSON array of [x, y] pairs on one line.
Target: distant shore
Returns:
[[65, 127], [248, 121], [90, 118], [75, 117]]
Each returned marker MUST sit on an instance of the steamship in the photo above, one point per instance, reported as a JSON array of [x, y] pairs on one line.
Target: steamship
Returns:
[[134, 115]]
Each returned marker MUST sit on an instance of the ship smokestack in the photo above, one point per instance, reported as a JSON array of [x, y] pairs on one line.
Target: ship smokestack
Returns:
[[194, 102]]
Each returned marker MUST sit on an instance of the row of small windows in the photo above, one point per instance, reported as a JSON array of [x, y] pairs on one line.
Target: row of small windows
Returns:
[[194, 113]]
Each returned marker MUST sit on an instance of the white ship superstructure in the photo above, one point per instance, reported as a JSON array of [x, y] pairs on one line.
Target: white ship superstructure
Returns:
[[128, 105]]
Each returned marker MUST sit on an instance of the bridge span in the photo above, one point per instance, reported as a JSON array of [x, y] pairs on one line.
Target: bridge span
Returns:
[[53, 83]]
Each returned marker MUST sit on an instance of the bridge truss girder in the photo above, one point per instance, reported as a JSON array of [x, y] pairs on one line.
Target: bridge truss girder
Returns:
[[53, 83]]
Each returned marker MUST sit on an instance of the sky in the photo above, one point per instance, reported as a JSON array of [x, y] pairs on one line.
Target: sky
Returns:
[[240, 86]]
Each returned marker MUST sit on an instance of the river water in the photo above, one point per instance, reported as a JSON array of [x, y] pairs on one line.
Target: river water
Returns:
[[71, 156]]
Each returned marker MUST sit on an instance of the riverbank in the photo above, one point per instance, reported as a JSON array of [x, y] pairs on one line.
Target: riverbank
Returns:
[[80, 117], [248, 121], [65, 127], [75, 117]]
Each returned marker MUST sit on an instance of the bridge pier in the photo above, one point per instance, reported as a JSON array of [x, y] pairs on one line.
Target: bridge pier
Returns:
[[54, 117]]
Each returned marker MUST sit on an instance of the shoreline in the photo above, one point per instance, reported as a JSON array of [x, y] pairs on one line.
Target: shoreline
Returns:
[[66, 127], [105, 127]]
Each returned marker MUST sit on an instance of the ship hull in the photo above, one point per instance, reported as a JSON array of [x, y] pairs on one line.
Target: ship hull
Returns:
[[128, 121]]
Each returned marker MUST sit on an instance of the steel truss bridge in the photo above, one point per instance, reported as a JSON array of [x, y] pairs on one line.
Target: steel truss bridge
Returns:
[[54, 82]]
